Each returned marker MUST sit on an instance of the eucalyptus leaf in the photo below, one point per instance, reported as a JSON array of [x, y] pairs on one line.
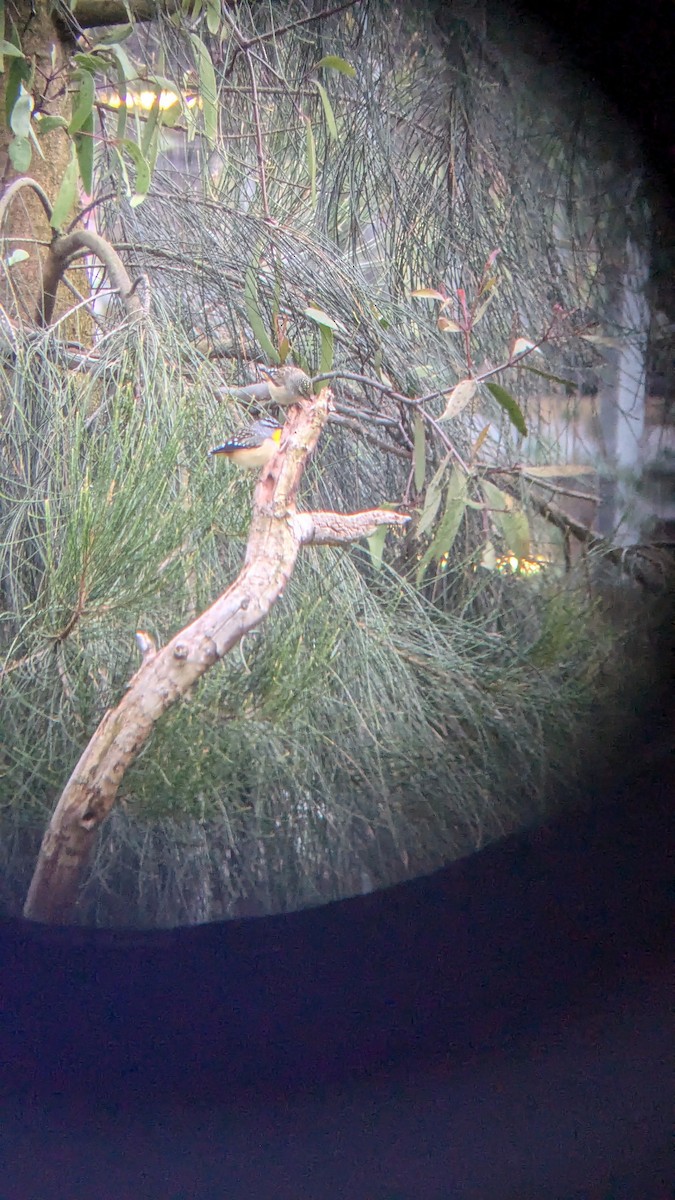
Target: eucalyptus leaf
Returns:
[[84, 148], [65, 200], [84, 103], [509, 519], [432, 500], [334, 63], [419, 452], [328, 110], [207, 88], [510, 406], [254, 315], [457, 400], [20, 154], [376, 546], [10, 51], [213, 16], [448, 526], [46, 124], [21, 113], [311, 160]]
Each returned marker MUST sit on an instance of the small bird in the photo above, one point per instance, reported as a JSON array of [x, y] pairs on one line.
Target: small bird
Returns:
[[287, 384], [254, 446]]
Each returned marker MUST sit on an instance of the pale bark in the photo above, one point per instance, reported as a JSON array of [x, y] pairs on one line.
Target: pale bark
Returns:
[[276, 533]]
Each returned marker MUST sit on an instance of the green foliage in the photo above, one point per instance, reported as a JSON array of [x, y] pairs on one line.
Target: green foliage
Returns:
[[406, 701]]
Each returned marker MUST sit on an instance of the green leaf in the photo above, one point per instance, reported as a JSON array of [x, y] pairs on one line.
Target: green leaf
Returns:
[[569, 384], [10, 50], [16, 256], [21, 113], [150, 128], [376, 546], [327, 350], [84, 149], [18, 73], [419, 452], [117, 33], [254, 315], [311, 160], [433, 499], [84, 103], [92, 62], [448, 527], [213, 16], [334, 63], [509, 519], [65, 201], [510, 406], [125, 72], [327, 109], [143, 172], [125, 67], [321, 318], [20, 154], [207, 88], [46, 124]]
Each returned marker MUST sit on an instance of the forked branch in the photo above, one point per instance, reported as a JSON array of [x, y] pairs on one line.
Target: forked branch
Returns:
[[276, 533]]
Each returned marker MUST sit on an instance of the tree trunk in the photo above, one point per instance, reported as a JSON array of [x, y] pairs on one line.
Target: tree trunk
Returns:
[[26, 226]]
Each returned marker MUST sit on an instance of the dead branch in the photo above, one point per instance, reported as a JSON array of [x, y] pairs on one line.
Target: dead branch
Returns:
[[276, 533], [69, 246]]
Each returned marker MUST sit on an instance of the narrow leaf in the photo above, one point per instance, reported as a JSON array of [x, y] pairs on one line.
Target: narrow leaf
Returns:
[[461, 395], [207, 88], [428, 294], [21, 113], [213, 16], [18, 73], [334, 63], [327, 109], [510, 406], [569, 384], [558, 470], [125, 67], [419, 452], [433, 499], [92, 62], [20, 154], [376, 546], [311, 160], [327, 350], [143, 173], [65, 200], [321, 318], [480, 440], [84, 148], [117, 33], [10, 50], [482, 308], [509, 519], [447, 326], [46, 124], [448, 528], [84, 103], [254, 315]]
